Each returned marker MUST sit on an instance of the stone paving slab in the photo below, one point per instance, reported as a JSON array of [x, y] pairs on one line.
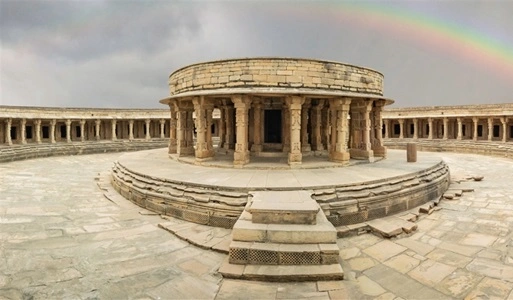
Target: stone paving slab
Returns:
[[61, 238]]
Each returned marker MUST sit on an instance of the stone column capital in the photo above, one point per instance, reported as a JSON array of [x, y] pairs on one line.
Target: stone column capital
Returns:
[[294, 102], [37, 122], [68, 122]]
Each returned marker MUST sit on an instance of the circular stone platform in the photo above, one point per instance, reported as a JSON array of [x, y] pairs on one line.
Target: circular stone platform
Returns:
[[217, 196]]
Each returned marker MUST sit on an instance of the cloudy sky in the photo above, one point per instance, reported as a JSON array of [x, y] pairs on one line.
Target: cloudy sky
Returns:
[[95, 53]]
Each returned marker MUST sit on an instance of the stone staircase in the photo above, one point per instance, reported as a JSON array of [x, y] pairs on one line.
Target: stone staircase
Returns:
[[283, 236]]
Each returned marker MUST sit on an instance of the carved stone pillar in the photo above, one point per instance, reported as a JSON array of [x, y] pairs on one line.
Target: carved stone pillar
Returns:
[[209, 109], [162, 123], [361, 126], [82, 130], [222, 127], [23, 126], [316, 121], [490, 129], [430, 128], [446, 128], [401, 128], [377, 128], [38, 130], [286, 128], [148, 124], [504, 121], [415, 128], [241, 154], [257, 126], [8, 125], [230, 137], [294, 105], [387, 129], [475, 121], [201, 109], [113, 130], [97, 124], [172, 129], [460, 129], [305, 145], [52, 131], [339, 109], [68, 131], [130, 130]]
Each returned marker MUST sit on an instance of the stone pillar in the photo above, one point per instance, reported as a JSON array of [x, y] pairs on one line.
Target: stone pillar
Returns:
[[430, 128], [52, 131], [460, 129], [504, 121], [339, 129], [38, 130], [68, 131], [82, 130], [23, 126], [257, 126], [201, 109], [222, 127], [294, 105], [401, 128], [8, 124], [387, 128], [305, 145], [130, 130], [377, 123], [446, 128], [113, 130], [97, 124], [148, 123], [490, 129], [285, 127], [475, 121], [209, 109], [230, 141], [172, 129], [162, 126], [316, 121], [415, 128], [241, 155]]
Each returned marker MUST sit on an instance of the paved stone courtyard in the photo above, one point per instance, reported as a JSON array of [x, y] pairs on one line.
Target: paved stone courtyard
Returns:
[[61, 238]]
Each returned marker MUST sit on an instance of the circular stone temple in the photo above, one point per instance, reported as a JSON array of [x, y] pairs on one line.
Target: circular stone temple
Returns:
[[277, 105]]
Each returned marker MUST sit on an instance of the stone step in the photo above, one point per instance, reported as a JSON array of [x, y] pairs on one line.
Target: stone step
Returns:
[[246, 231], [282, 272], [282, 254], [283, 207]]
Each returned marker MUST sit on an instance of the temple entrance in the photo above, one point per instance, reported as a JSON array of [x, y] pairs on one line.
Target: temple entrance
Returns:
[[272, 126]]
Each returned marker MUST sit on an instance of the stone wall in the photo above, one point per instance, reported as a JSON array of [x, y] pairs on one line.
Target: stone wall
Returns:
[[276, 72]]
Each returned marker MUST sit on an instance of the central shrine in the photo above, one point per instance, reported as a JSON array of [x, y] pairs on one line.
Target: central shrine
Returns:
[[277, 105]]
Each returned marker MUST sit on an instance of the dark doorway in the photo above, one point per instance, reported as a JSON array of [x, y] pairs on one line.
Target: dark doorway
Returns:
[[272, 126]]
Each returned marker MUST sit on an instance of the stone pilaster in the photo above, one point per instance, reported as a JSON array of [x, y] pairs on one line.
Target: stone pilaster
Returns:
[[241, 154], [475, 120], [446, 128], [82, 130], [113, 135], [130, 130], [490, 129], [377, 128], [23, 125], [460, 129], [52, 131], [316, 122], [68, 131], [339, 109], [148, 127], [305, 145], [97, 124], [294, 105], [401, 128], [8, 125], [37, 122], [258, 124]]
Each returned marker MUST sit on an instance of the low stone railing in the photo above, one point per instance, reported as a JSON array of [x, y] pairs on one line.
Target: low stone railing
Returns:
[[28, 151], [490, 148]]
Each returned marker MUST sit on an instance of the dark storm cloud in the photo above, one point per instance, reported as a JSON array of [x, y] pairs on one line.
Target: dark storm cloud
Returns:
[[75, 30]]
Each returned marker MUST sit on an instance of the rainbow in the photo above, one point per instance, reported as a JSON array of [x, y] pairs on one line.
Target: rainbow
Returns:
[[475, 47]]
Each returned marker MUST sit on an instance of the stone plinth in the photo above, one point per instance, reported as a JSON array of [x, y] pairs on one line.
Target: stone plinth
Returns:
[[273, 207]]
